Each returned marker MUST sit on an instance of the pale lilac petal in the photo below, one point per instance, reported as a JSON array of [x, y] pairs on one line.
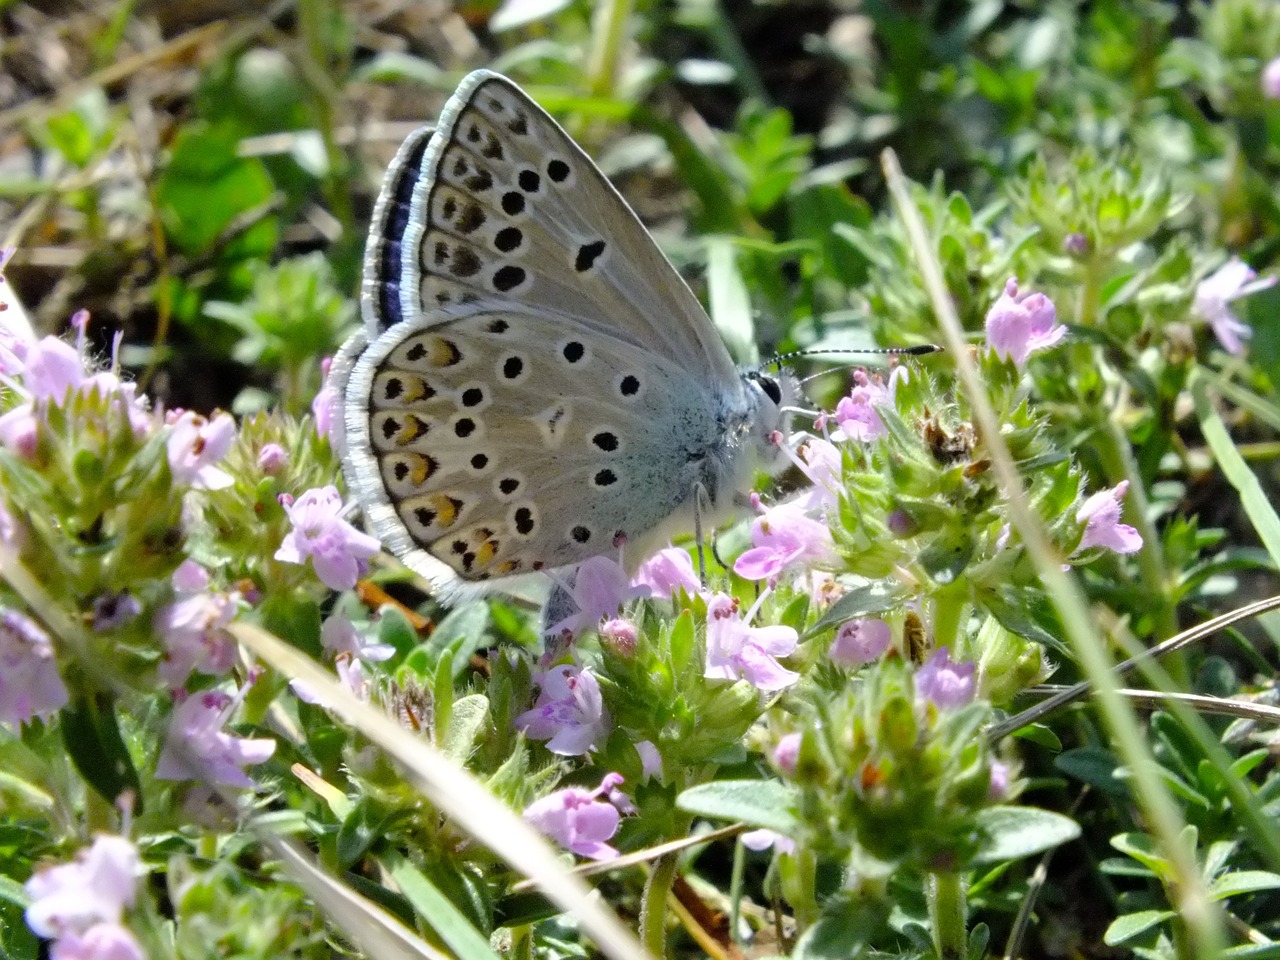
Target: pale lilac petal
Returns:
[[96, 887], [569, 713], [30, 685], [1271, 79], [666, 572], [650, 759], [53, 369], [104, 941], [787, 753], [578, 820], [337, 549], [1100, 514], [945, 683], [860, 641], [763, 839], [762, 671], [1019, 324]]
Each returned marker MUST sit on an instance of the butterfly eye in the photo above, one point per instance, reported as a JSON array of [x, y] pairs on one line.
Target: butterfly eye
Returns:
[[770, 386]]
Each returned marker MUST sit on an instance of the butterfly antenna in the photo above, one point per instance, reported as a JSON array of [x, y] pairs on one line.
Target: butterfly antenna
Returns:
[[916, 351]]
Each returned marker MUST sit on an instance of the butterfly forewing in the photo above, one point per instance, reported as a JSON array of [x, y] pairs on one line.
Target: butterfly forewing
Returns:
[[384, 252], [510, 209]]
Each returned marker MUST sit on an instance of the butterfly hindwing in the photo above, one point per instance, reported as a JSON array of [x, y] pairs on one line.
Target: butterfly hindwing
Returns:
[[509, 209], [509, 441]]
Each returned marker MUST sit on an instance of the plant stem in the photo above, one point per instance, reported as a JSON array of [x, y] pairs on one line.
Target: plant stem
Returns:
[[610, 29], [948, 610], [946, 912], [1117, 459], [653, 906]]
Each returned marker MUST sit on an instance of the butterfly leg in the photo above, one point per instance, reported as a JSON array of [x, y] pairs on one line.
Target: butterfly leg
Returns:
[[699, 494]]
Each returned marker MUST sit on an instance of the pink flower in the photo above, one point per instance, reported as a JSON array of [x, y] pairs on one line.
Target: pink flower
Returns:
[[736, 651], [763, 839], [194, 630], [666, 572], [1100, 515], [339, 635], [1271, 79], [53, 369], [336, 548], [1213, 298], [351, 676], [569, 713], [12, 533], [600, 588], [195, 445], [856, 414], [1018, 325], [859, 641], [13, 349], [190, 577], [945, 683], [650, 760], [272, 459], [781, 537], [578, 820], [621, 635], [821, 461], [787, 753], [111, 610], [325, 404], [102, 941], [19, 431], [95, 888], [999, 788], [30, 685], [197, 748]]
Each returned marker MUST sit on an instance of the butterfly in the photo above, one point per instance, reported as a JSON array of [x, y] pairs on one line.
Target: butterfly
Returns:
[[534, 383]]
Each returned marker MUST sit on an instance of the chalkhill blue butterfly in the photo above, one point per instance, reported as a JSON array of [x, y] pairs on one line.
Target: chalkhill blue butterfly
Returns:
[[534, 383]]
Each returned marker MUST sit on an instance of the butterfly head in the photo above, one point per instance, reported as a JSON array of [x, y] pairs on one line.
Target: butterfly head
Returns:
[[772, 396]]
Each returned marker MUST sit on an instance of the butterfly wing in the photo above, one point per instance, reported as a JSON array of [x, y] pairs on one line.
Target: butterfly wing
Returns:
[[535, 384], [492, 443], [384, 251], [506, 207]]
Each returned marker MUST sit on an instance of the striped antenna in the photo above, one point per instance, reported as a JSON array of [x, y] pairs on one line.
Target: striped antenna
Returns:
[[918, 351]]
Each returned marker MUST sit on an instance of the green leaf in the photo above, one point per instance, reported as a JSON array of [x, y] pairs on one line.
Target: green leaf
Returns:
[[1026, 612], [1257, 505], [461, 633], [438, 911], [729, 301], [206, 186], [682, 637], [1252, 951], [1142, 847], [360, 830], [875, 596], [1094, 766], [92, 737], [1041, 736], [761, 803], [1010, 833], [1131, 925], [1243, 881], [846, 928], [465, 723]]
